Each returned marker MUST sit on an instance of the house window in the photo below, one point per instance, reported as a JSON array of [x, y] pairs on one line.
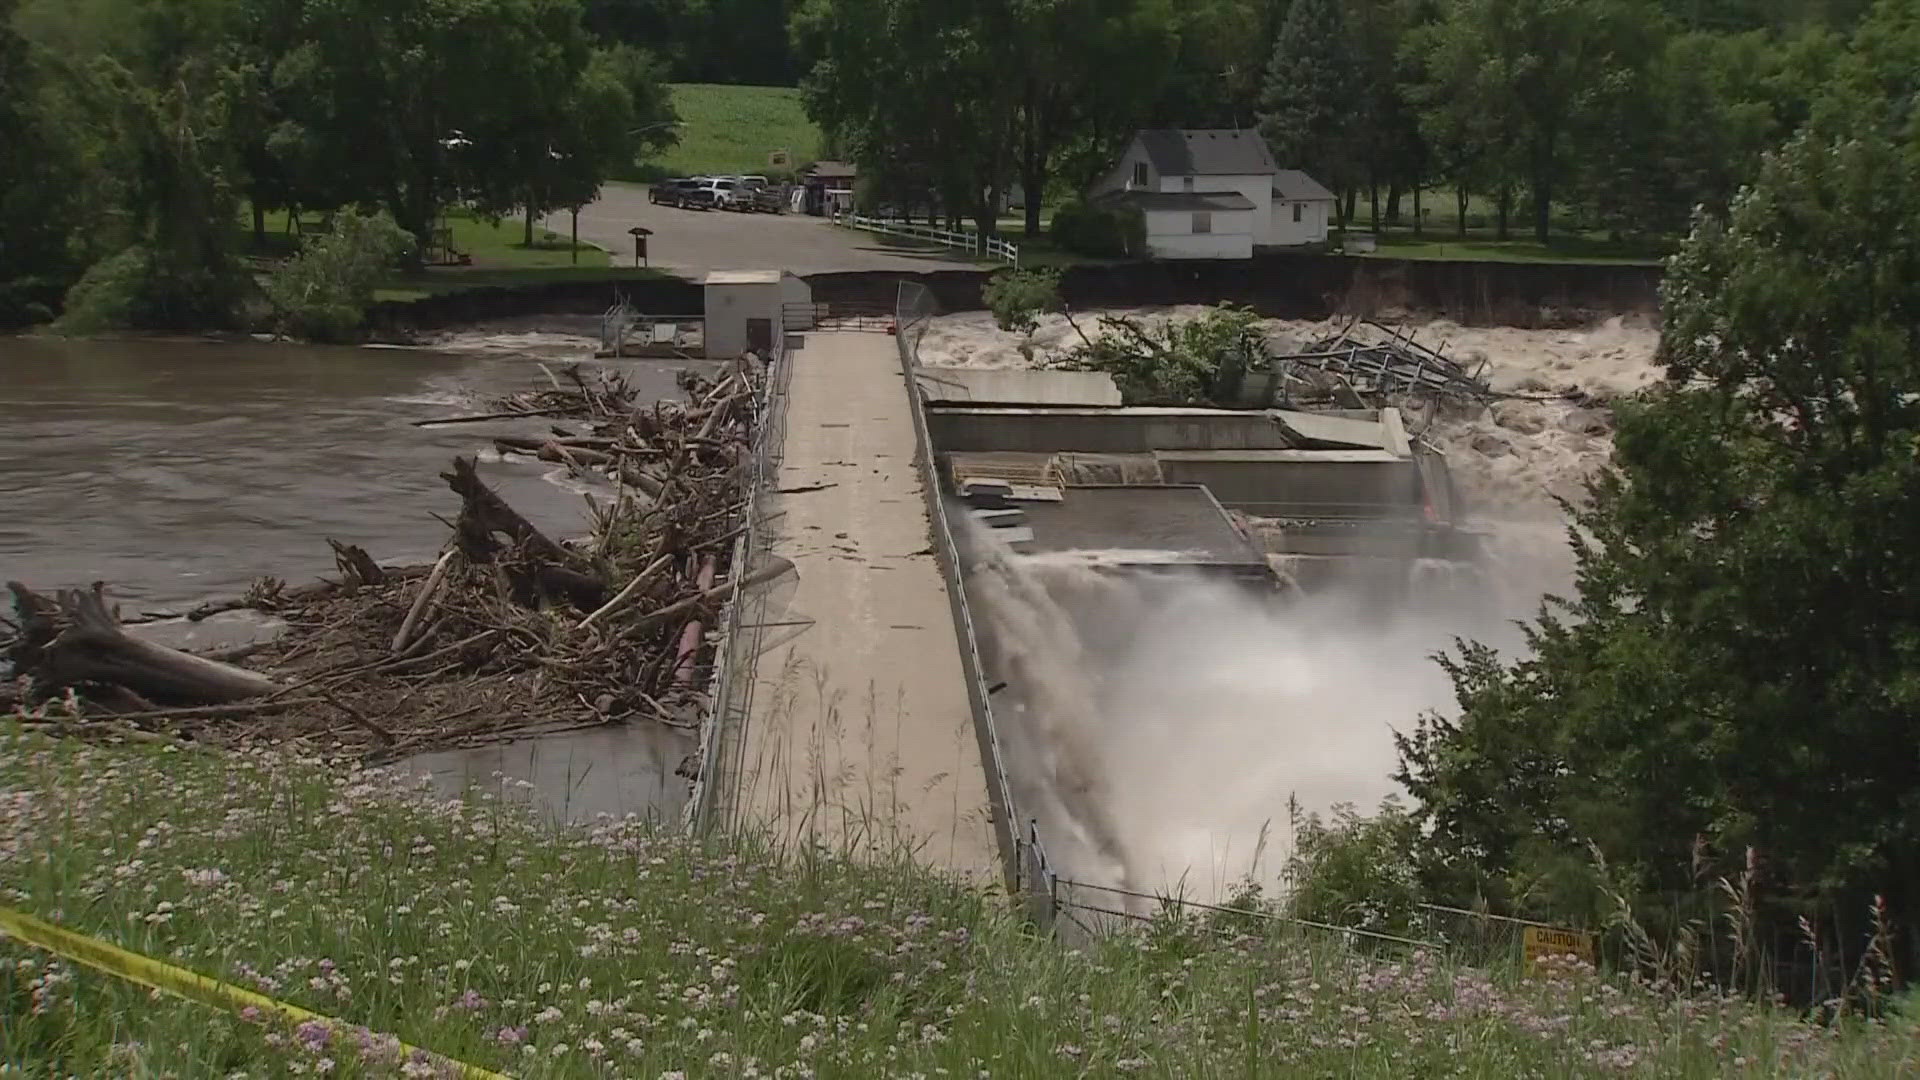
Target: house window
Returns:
[[1296, 212], [1186, 183], [1202, 222], [1140, 174]]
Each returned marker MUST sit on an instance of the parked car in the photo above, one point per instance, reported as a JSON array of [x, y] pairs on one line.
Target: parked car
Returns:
[[760, 195], [687, 194], [725, 191]]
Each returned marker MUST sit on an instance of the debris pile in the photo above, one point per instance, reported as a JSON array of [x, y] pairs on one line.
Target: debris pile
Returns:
[[510, 632], [1368, 368]]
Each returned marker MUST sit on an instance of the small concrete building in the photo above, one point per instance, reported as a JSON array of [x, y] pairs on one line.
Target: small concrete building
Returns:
[[746, 308]]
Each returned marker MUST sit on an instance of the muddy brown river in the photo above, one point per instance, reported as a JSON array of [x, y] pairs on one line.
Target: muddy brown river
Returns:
[[178, 471], [181, 471]]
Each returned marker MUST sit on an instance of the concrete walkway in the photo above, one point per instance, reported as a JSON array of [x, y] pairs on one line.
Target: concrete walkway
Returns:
[[861, 736]]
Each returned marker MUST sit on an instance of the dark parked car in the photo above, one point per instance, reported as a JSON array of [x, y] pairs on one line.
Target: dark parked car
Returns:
[[686, 194]]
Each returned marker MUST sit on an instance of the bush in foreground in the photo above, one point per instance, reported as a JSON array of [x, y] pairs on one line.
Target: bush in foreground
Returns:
[[471, 929]]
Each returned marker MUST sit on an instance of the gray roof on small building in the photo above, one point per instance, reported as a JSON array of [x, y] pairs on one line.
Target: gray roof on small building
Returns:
[[1177, 200], [830, 169], [1296, 186], [1206, 151]]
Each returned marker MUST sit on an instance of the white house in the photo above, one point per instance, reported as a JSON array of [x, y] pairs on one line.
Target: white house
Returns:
[[1214, 194]]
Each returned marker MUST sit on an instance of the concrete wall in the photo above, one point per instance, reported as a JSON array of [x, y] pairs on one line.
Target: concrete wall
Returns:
[[1302, 483], [1099, 431], [1170, 235], [728, 309]]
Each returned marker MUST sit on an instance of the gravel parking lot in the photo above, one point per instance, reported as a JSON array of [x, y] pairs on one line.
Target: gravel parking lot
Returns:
[[692, 242]]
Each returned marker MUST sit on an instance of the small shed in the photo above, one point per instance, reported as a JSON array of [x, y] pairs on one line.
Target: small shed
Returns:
[[746, 308]]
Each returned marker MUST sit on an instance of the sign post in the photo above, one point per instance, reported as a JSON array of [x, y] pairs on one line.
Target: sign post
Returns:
[[1541, 942], [640, 235]]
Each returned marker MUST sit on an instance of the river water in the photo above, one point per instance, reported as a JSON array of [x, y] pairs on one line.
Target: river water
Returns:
[[179, 471]]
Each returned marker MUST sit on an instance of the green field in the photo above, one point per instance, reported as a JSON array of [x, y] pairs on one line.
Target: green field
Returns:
[[732, 129]]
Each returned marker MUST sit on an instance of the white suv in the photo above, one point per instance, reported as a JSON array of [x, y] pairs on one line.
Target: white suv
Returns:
[[725, 190]]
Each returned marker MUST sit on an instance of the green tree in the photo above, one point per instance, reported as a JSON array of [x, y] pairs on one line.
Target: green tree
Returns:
[[39, 174], [1309, 101], [322, 294], [1741, 664]]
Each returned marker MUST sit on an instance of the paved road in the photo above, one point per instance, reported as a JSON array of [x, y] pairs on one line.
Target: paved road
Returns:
[[692, 242], [861, 733]]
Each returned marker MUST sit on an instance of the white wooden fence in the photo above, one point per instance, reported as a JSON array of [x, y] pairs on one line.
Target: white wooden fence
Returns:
[[991, 247]]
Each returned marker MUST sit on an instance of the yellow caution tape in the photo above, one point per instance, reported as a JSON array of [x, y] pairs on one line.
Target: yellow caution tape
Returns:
[[180, 982]]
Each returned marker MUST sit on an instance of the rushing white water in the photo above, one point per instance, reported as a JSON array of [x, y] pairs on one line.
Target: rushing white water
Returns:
[[1158, 726]]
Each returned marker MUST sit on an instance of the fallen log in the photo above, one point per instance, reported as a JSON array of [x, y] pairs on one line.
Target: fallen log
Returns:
[[355, 565], [761, 576], [475, 418], [491, 512], [422, 603], [88, 646]]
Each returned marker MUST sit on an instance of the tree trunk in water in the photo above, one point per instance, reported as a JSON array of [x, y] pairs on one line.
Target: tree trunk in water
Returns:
[[1460, 209]]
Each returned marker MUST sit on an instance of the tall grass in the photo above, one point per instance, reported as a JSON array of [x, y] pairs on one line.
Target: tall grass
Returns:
[[477, 930]]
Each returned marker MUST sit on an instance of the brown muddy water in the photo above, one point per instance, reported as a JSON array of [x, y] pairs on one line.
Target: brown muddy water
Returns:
[[179, 471]]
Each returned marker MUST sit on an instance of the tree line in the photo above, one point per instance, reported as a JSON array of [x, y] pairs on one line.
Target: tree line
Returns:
[[138, 129], [1615, 115]]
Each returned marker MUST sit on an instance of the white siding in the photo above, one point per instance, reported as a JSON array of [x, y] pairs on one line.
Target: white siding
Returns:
[[1257, 189], [1310, 229], [1170, 235]]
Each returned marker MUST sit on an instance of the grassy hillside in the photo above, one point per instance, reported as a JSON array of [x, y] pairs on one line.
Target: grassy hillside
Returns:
[[469, 929], [732, 129]]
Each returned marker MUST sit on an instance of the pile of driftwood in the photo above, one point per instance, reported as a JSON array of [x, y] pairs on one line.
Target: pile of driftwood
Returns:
[[509, 632], [1365, 365]]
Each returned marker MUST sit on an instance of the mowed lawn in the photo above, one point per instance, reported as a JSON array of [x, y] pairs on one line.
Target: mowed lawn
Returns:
[[733, 129]]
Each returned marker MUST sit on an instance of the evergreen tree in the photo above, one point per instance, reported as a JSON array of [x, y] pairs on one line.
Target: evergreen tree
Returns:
[[1310, 98]]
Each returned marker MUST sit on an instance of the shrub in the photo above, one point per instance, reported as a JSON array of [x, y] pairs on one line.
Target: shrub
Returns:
[[322, 293], [1018, 298], [139, 289], [1100, 232], [1355, 871], [1173, 363]]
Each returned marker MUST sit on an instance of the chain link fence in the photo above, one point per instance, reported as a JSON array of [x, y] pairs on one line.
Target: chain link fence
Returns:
[[750, 614]]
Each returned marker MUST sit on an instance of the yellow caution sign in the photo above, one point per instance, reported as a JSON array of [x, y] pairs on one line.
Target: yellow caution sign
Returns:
[[178, 981], [1544, 941]]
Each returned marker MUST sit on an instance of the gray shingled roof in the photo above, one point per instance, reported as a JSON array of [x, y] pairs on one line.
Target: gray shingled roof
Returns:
[[1178, 200], [1294, 185], [1207, 152]]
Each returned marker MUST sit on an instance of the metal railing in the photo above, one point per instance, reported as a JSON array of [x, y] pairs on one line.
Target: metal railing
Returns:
[[914, 309], [973, 243], [743, 622]]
